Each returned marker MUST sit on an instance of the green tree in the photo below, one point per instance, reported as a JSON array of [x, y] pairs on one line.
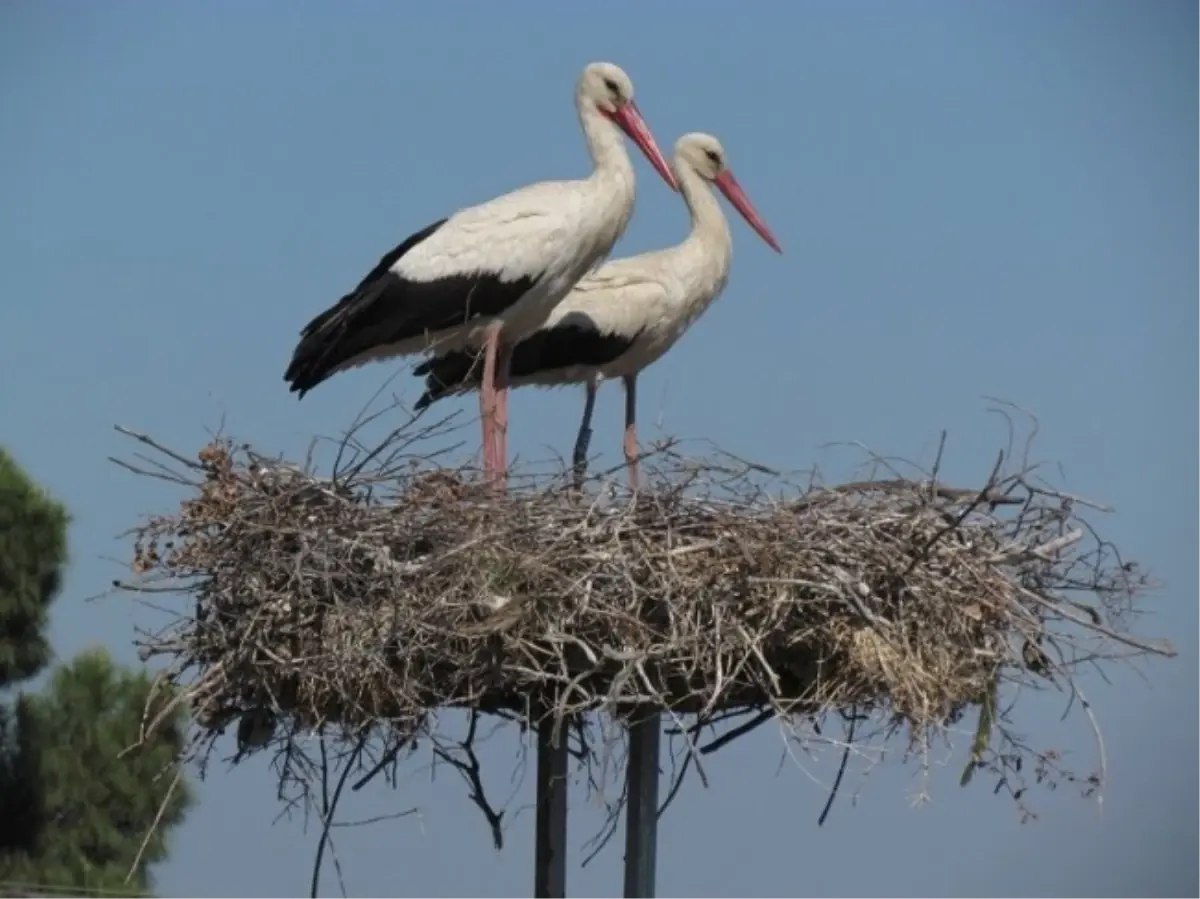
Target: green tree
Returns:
[[78, 792], [33, 551]]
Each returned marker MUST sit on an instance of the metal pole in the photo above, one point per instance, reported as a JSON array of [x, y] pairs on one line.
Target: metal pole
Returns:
[[550, 854], [641, 814]]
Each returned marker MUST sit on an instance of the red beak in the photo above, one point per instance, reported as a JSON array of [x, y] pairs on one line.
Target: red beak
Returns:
[[734, 194], [629, 118]]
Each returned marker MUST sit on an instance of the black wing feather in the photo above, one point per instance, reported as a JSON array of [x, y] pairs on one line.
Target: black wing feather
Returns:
[[367, 316]]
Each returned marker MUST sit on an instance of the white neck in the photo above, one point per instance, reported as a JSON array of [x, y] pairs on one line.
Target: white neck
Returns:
[[605, 142], [709, 245]]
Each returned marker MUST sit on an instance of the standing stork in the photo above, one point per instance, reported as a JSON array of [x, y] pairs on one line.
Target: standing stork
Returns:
[[629, 312], [490, 274]]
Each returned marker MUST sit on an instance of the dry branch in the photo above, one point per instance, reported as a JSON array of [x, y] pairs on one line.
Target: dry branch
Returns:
[[367, 602]]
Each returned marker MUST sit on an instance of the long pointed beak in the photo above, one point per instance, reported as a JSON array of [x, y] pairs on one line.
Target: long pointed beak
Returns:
[[629, 118], [729, 186]]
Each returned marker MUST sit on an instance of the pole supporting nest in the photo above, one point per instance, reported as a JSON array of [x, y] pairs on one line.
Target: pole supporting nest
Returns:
[[641, 813], [550, 853]]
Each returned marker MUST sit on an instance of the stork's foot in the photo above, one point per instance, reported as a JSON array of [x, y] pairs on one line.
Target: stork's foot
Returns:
[[500, 418], [631, 458], [487, 421], [500, 430], [499, 480], [631, 470], [631, 442], [579, 458]]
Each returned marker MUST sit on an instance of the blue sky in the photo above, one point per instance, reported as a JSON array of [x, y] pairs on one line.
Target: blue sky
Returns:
[[974, 199]]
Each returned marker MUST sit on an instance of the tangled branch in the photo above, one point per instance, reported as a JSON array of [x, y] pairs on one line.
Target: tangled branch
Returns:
[[370, 601]]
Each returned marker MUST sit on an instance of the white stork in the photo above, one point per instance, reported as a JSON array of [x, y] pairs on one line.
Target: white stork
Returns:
[[490, 274], [626, 315]]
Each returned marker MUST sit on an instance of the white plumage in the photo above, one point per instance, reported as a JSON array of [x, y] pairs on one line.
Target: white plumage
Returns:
[[490, 274], [554, 232], [627, 314]]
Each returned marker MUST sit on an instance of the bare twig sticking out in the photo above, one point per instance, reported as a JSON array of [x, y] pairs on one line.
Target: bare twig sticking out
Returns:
[[401, 587]]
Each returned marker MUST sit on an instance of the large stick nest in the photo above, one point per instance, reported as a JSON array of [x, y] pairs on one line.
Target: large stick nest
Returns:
[[366, 602]]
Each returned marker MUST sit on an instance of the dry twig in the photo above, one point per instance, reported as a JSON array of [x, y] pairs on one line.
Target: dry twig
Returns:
[[372, 600]]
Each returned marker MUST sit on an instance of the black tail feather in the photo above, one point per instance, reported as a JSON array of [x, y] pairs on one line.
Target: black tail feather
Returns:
[[323, 341], [448, 374], [312, 360]]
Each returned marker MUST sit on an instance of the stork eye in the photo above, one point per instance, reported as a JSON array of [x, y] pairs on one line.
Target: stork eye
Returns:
[[713, 156], [613, 87]]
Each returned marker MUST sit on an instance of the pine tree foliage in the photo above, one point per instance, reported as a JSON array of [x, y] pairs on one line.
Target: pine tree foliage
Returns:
[[33, 551], [83, 801], [94, 798]]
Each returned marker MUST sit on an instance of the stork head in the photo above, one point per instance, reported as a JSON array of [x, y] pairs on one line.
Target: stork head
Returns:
[[605, 87], [704, 155]]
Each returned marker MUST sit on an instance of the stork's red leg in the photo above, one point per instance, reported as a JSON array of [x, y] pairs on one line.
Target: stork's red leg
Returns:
[[579, 457], [487, 403], [631, 443], [503, 365]]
